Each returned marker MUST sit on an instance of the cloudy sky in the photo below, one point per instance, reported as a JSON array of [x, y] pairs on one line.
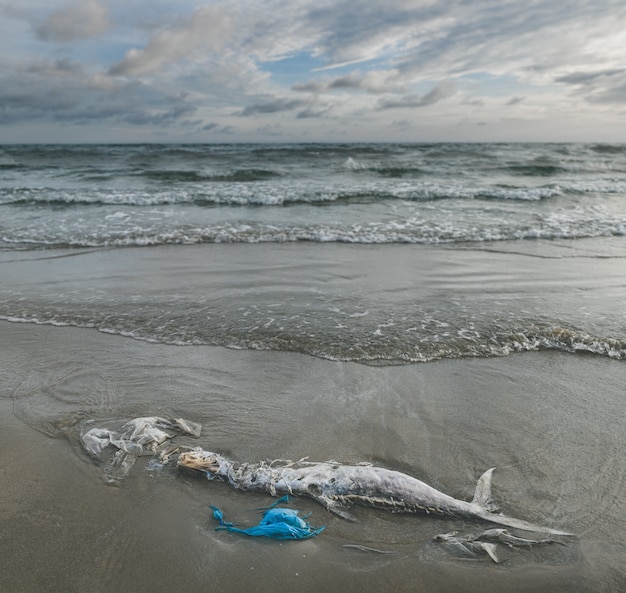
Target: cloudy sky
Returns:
[[312, 70]]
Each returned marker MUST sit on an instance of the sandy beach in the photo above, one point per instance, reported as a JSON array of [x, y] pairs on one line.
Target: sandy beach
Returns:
[[551, 423]]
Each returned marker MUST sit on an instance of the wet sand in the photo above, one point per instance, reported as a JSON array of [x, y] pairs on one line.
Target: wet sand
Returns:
[[551, 423]]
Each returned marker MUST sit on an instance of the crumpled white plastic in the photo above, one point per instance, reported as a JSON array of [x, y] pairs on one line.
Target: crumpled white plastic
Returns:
[[139, 436]]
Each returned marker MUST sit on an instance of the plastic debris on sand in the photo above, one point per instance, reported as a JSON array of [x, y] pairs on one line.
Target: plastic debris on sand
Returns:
[[119, 446], [276, 523]]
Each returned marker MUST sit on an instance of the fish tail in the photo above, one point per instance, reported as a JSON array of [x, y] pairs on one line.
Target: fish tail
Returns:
[[520, 524], [483, 500]]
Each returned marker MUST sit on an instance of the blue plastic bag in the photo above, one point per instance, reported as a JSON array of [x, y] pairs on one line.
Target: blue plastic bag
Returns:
[[277, 523]]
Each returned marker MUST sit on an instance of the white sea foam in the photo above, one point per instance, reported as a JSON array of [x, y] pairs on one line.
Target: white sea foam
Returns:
[[413, 230], [369, 194], [354, 165]]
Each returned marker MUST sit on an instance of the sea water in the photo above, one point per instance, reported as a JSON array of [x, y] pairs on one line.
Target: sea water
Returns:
[[386, 297]]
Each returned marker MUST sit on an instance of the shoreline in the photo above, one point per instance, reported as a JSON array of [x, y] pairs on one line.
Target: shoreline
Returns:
[[337, 302], [550, 422]]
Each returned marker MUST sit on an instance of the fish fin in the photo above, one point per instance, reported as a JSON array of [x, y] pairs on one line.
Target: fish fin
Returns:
[[482, 495], [334, 507], [342, 513], [490, 550]]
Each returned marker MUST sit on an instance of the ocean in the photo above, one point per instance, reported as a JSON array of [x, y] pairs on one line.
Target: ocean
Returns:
[[438, 309], [563, 203]]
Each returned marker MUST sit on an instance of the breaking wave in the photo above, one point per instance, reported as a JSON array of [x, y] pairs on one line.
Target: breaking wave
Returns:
[[346, 346], [117, 196], [412, 231]]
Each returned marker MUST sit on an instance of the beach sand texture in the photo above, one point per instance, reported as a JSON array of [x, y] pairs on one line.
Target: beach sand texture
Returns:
[[551, 422]]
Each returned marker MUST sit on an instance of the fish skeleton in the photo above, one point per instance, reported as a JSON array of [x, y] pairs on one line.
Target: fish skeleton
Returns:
[[337, 486]]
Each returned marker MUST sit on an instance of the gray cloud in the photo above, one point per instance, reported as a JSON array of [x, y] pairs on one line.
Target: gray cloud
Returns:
[[55, 68], [402, 124], [273, 106], [439, 39], [376, 82], [515, 100], [122, 61], [616, 95], [405, 41], [217, 128], [602, 86], [360, 30], [84, 19], [312, 113], [62, 91], [159, 117], [588, 77], [440, 92], [208, 29], [273, 130]]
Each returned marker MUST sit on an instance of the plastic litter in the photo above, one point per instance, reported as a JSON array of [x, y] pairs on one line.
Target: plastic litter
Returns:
[[276, 523], [139, 435], [474, 544], [119, 446]]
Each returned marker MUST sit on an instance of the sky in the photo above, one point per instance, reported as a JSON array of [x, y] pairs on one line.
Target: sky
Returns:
[[312, 70]]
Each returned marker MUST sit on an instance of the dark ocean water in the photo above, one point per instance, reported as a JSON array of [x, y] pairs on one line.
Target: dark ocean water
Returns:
[[376, 253], [103, 196]]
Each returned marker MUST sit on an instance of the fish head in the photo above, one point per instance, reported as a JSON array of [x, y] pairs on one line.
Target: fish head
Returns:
[[200, 460]]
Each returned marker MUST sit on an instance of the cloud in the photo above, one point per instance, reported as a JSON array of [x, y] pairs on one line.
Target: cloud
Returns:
[[602, 86], [310, 107], [357, 31], [615, 95], [123, 61], [207, 29], [217, 128], [440, 92], [310, 113], [62, 91], [82, 20], [375, 81], [61, 68], [274, 106], [588, 77], [399, 43], [159, 117], [270, 130]]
